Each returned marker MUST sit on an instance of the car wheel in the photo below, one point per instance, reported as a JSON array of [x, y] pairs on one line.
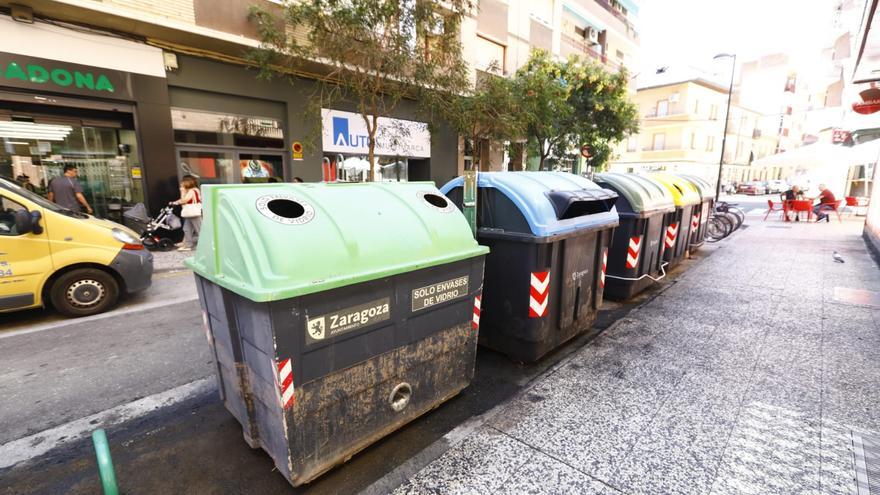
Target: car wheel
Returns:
[[84, 292]]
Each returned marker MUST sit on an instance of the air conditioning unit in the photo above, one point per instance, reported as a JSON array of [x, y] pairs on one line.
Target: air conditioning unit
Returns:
[[591, 34]]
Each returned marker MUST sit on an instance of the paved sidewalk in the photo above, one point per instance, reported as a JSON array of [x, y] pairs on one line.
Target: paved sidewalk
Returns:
[[744, 377], [167, 261]]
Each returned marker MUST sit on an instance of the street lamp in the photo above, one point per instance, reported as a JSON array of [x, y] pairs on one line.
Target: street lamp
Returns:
[[726, 119]]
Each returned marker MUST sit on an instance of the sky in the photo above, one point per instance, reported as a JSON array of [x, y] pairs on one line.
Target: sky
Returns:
[[691, 32]]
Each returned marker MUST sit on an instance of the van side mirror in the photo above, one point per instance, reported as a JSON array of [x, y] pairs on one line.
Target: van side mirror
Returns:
[[36, 228], [28, 221]]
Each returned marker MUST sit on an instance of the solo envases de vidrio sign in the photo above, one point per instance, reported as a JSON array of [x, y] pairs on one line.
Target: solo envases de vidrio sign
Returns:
[[21, 71], [346, 133]]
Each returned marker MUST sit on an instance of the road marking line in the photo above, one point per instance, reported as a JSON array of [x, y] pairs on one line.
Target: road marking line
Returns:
[[118, 312], [35, 445]]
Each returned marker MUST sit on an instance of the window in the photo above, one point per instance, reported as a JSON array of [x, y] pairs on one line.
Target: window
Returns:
[[662, 108], [710, 143], [696, 106], [620, 55], [8, 208], [632, 144], [490, 56], [694, 141], [713, 112], [659, 142]]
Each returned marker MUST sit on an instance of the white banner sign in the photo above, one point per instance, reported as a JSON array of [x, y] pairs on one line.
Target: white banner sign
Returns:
[[346, 133]]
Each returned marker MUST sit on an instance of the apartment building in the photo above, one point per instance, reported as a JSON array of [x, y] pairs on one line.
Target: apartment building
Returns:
[[682, 126], [504, 32], [501, 37]]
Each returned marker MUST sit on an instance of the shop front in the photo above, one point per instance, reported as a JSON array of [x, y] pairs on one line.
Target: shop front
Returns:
[[88, 100], [402, 152]]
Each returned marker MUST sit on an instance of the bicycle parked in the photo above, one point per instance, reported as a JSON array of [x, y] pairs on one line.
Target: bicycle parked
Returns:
[[725, 220]]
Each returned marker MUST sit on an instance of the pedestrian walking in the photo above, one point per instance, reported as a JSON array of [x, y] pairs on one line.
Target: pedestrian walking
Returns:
[[67, 191], [826, 202], [191, 212]]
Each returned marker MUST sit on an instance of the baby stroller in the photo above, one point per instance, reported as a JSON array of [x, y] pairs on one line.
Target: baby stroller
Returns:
[[157, 233]]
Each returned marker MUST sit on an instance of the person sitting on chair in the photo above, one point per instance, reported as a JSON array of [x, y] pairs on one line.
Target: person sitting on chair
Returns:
[[792, 194], [826, 202]]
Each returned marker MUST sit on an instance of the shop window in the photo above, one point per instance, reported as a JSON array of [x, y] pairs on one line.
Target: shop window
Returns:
[[217, 129]]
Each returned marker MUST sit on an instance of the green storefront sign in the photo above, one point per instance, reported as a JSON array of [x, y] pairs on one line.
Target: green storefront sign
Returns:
[[50, 75], [59, 77]]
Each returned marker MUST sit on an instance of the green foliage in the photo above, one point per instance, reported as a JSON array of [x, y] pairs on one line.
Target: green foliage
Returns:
[[572, 103], [373, 53], [492, 112]]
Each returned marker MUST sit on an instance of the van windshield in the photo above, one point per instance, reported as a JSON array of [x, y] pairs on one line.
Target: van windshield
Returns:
[[6, 185]]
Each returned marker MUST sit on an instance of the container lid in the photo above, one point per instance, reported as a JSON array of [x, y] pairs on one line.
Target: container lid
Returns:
[[684, 193], [552, 203], [269, 242], [643, 194], [706, 190]]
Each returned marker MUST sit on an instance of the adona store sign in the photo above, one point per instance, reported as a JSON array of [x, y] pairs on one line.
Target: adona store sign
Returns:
[[48, 75]]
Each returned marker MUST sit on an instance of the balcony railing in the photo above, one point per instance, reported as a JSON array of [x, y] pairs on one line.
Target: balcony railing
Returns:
[[583, 46], [616, 13]]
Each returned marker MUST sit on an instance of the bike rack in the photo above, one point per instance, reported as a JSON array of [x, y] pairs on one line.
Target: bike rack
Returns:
[[661, 277]]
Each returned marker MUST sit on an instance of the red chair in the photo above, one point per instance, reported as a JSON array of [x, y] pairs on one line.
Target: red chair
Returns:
[[771, 207], [852, 203]]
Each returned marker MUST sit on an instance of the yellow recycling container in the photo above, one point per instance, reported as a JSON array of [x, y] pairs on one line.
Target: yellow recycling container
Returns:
[[687, 199]]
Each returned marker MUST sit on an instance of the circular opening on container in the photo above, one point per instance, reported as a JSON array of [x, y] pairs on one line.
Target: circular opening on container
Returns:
[[436, 200], [286, 208], [400, 396]]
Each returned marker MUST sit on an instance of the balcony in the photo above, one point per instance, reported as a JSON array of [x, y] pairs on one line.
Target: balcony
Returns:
[[631, 29], [579, 46]]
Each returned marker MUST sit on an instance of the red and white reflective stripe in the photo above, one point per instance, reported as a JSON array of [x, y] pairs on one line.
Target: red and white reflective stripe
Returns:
[[475, 323], [695, 222], [671, 234], [539, 294], [285, 383], [632, 254], [604, 265]]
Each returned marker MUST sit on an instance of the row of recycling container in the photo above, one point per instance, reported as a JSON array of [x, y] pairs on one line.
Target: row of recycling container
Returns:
[[337, 313]]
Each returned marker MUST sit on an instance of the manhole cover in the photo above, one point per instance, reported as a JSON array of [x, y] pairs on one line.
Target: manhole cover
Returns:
[[866, 461], [858, 297]]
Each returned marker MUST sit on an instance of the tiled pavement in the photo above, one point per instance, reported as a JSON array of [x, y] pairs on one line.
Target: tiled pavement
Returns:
[[744, 377]]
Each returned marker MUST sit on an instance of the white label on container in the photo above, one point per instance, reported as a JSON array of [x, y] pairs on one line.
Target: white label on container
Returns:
[[348, 319], [441, 292]]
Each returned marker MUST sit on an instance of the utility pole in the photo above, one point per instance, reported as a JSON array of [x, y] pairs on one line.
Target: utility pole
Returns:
[[726, 121]]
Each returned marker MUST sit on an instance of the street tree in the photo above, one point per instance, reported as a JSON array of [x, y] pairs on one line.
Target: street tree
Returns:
[[574, 103], [491, 112], [373, 53]]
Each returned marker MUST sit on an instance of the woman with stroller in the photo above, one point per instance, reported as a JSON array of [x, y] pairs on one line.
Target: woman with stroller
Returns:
[[191, 212]]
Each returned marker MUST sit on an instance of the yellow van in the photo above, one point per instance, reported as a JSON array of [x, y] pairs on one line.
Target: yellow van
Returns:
[[52, 256]]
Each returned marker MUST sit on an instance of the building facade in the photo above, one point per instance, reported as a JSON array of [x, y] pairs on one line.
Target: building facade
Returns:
[[682, 126], [501, 36], [138, 93]]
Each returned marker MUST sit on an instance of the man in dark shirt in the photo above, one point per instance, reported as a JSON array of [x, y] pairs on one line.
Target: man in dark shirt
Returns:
[[67, 191], [791, 195], [826, 202]]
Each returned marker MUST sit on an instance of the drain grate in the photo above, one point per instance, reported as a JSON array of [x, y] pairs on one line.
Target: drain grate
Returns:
[[866, 460]]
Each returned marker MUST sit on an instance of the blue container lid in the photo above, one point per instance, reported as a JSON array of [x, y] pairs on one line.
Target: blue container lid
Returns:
[[552, 203]]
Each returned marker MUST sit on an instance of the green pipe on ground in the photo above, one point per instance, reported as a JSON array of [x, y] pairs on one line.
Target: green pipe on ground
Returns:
[[105, 462]]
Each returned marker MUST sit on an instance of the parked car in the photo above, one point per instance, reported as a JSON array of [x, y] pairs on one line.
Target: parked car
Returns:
[[776, 186], [76, 263], [754, 187]]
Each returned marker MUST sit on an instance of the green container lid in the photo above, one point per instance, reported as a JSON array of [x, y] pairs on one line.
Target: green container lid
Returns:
[[643, 194], [706, 189], [269, 242]]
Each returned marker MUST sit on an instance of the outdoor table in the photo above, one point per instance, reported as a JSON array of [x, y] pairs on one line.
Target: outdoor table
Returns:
[[798, 206]]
